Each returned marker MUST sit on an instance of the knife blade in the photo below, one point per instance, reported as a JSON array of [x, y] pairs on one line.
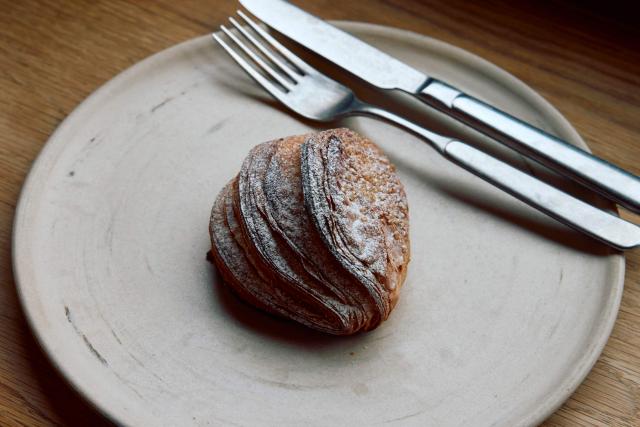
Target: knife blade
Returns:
[[386, 72], [379, 69]]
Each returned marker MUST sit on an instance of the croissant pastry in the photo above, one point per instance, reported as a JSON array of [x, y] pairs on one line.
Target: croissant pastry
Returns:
[[315, 228]]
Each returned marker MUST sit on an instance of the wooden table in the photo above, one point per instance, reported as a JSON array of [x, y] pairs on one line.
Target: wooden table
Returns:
[[584, 59]]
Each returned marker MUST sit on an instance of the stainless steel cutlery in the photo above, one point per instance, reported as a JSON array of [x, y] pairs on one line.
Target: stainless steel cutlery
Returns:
[[386, 72], [313, 95]]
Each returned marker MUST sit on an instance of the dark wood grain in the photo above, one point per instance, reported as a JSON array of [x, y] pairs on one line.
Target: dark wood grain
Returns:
[[584, 58]]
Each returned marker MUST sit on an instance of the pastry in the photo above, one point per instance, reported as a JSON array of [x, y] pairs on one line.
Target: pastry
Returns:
[[315, 228], [358, 204]]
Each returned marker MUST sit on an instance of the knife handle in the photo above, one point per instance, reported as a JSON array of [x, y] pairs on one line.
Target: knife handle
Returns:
[[593, 172], [577, 214], [567, 209]]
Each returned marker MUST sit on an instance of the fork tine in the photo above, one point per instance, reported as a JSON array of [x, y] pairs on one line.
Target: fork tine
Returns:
[[259, 78], [290, 56], [266, 52], [251, 54]]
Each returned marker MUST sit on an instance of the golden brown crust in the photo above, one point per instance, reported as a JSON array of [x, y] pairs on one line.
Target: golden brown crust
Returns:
[[287, 216], [287, 238], [229, 257], [230, 254], [359, 206], [315, 304]]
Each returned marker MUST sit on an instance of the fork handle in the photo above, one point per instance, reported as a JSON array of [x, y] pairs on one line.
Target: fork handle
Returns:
[[573, 212], [593, 172], [567, 209]]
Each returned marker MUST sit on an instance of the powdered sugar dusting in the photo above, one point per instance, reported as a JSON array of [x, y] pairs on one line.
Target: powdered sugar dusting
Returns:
[[364, 205], [315, 228]]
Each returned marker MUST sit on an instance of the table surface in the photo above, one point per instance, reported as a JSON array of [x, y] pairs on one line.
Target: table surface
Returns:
[[583, 59]]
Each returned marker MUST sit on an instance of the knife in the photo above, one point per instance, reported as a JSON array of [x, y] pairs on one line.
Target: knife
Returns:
[[386, 72]]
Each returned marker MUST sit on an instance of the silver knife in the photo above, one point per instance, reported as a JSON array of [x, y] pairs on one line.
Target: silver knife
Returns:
[[386, 72]]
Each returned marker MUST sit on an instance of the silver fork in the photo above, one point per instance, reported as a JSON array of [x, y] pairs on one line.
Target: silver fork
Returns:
[[315, 96]]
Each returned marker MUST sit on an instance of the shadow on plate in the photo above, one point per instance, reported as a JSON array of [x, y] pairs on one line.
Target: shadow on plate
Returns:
[[516, 213]]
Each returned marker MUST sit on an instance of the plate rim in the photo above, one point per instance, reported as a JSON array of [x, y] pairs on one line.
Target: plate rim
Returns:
[[37, 323]]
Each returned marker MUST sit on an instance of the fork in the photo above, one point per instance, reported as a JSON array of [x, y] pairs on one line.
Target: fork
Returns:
[[315, 96]]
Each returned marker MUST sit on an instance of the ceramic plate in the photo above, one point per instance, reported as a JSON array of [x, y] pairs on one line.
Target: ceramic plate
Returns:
[[503, 313]]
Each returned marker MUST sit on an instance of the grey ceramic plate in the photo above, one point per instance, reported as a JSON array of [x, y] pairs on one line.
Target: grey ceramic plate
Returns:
[[503, 313]]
